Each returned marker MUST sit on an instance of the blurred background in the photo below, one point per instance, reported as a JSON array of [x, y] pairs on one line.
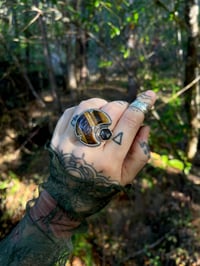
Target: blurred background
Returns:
[[55, 53]]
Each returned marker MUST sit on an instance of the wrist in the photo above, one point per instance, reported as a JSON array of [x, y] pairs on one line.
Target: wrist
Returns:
[[51, 218]]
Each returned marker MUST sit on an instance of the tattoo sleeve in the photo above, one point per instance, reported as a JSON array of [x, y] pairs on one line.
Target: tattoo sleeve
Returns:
[[77, 186], [28, 245], [79, 191]]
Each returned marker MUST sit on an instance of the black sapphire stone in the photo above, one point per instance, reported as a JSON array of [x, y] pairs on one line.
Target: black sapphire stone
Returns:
[[105, 134]]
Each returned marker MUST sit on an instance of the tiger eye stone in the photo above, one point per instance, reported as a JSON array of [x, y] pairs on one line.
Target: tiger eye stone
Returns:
[[91, 127]]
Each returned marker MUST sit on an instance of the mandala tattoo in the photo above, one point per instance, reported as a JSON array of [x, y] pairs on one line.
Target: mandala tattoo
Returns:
[[77, 186], [80, 191], [118, 138], [145, 148]]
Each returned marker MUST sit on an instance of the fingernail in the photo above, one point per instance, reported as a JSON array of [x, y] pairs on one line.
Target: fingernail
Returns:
[[150, 93]]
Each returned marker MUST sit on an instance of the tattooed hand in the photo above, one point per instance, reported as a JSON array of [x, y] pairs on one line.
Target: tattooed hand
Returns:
[[84, 179], [118, 159]]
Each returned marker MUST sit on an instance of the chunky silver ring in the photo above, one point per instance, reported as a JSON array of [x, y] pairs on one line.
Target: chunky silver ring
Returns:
[[91, 127], [142, 106]]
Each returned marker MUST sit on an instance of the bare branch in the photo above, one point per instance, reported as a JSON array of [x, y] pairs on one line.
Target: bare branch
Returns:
[[39, 13], [148, 247]]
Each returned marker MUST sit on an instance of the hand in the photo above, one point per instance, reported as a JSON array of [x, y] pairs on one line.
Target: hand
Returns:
[[118, 159], [84, 179]]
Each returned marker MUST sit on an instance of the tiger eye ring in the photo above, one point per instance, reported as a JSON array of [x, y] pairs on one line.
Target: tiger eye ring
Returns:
[[91, 127]]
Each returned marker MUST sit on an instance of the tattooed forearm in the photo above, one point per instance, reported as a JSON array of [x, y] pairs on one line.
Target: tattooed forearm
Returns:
[[145, 148]]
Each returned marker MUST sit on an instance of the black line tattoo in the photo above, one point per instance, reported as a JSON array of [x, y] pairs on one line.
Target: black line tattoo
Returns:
[[145, 148], [122, 102], [118, 138], [78, 186], [144, 96], [133, 108]]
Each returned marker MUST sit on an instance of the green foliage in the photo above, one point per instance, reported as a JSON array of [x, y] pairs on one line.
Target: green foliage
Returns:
[[4, 184], [178, 164], [13, 181], [154, 260], [105, 63], [82, 248]]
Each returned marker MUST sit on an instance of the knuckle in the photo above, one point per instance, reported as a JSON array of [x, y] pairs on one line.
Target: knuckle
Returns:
[[67, 111], [131, 120], [118, 105], [93, 101]]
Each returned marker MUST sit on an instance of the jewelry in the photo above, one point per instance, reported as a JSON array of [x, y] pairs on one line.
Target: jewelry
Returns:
[[91, 127], [142, 106]]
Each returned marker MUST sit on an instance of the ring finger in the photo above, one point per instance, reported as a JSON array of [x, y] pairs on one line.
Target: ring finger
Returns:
[[129, 124]]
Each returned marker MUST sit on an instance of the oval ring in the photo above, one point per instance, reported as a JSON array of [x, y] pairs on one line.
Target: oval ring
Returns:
[[91, 127]]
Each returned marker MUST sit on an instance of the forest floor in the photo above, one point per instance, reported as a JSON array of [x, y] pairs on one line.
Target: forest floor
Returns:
[[156, 223]]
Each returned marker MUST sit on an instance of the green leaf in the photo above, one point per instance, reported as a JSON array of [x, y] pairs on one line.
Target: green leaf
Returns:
[[96, 28], [97, 3], [105, 63], [176, 164], [187, 168], [128, 19], [4, 184], [135, 17], [141, 58], [165, 160], [126, 53], [115, 31], [13, 175]]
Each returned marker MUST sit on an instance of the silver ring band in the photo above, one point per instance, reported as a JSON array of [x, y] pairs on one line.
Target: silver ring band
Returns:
[[142, 106]]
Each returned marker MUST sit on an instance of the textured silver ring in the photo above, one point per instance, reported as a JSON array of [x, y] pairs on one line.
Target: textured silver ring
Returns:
[[142, 106], [91, 127]]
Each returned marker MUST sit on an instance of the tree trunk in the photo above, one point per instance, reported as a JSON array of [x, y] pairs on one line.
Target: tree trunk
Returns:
[[82, 56], [191, 72], [71, 43], [48, 62], [132, 62], [71, 79], [22, 70]]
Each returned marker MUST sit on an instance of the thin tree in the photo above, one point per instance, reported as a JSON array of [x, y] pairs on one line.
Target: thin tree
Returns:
[[192, 101], [47, 57]]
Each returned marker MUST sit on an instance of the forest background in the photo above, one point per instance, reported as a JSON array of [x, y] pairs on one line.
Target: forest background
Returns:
[[55, 53]]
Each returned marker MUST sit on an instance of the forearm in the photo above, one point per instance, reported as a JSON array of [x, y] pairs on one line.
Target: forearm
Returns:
[[43, 236]]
